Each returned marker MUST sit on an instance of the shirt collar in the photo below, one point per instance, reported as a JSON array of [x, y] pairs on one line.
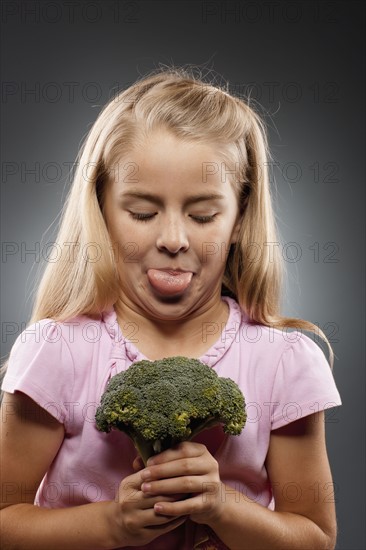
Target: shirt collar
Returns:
[[226, 337]]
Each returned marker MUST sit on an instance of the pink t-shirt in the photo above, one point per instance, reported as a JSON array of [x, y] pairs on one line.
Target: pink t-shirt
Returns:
[[64, 367]]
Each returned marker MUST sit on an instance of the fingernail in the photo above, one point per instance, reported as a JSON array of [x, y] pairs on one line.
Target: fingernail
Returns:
[[158, 508], [150, 462], [146, 487], [145, 474]]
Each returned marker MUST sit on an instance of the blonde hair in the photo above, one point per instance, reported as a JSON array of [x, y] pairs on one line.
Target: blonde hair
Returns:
[[193, 110]]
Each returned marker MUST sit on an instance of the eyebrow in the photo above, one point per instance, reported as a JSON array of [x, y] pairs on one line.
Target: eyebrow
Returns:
[[157, 200]]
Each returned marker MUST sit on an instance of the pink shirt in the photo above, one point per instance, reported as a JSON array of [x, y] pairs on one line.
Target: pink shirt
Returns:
[[64, 367]]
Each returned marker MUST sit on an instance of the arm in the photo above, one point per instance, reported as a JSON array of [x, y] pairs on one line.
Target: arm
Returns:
[[30, 439], [297, 459], [304, 515]]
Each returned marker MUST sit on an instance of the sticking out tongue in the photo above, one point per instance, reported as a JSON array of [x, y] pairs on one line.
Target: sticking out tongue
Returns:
[[169, 282]]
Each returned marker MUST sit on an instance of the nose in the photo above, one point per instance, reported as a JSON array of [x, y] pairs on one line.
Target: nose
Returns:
[[172, 235]]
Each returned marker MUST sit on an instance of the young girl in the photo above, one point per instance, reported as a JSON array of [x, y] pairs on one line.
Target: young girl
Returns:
[[165, 250]]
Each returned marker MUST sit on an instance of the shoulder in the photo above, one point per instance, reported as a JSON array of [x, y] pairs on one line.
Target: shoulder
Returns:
[[51, 360], [74, 333], [267, 351], [266, 339], [56, 346], [255, 340]]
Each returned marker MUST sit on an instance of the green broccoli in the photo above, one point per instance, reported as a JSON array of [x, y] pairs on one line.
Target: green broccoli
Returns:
[[160, 403]]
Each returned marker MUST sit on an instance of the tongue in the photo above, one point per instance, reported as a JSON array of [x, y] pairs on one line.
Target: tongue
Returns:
[[168, 283]]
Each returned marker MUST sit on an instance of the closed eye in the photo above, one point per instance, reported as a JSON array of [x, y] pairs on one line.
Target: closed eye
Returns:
[[204, 219], [141, 217], [146, 217]]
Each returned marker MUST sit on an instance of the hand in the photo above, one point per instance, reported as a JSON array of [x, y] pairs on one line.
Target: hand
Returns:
[[136, 521], [190, 469], [138, 464]]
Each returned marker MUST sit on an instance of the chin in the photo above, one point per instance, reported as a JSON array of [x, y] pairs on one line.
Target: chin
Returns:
[[169, 308]]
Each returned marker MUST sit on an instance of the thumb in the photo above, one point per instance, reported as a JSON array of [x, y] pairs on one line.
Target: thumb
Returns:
[[138, 464]]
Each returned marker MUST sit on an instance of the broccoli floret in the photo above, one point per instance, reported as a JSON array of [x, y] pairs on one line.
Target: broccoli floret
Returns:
[[160, 403]]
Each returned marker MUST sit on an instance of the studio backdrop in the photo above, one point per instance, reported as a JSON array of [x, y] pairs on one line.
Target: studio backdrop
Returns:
[[301, 65]]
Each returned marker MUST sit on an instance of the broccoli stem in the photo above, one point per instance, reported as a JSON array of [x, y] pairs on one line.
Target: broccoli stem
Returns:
[[207, 423], [144, 448]]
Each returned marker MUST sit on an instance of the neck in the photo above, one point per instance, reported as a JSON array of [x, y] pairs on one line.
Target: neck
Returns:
[[196, 331]]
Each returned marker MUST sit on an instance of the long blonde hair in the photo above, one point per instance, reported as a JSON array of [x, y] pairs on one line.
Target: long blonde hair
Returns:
[[193, 110]]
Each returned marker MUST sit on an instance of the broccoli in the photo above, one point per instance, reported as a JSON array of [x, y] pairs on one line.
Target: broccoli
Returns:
[[160, 403]]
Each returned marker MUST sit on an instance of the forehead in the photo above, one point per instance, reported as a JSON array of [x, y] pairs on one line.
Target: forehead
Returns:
[[164, 159]]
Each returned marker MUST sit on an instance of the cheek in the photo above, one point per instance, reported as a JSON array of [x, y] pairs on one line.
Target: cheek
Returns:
[[214, 254], [131, 244], [119, 230], [214, 248]]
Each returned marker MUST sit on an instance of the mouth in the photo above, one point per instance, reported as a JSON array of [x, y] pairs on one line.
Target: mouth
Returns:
[[169, 282]]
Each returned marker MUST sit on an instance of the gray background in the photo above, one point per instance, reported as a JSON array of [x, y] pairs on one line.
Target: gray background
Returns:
[[302, 63]]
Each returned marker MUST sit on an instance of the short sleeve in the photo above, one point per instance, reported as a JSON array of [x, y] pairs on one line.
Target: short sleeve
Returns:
[[304, 383], [41, 366]]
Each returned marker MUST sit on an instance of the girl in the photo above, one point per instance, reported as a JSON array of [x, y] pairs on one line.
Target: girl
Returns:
[[165, 251]]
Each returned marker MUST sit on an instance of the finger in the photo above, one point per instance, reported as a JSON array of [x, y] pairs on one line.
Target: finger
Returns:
[[138, 463], [183, 449], [187, 507], [165, 523], [147, 501], [129, 488], [149, 519], [170, 486], [178, 467]]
